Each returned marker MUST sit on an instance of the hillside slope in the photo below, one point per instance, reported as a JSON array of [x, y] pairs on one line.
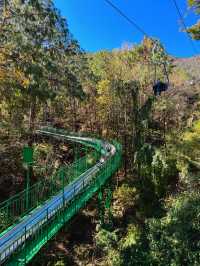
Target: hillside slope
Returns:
[[190, 65]]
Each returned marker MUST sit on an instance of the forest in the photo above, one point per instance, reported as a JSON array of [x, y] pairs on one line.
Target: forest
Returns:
[[46, 78]]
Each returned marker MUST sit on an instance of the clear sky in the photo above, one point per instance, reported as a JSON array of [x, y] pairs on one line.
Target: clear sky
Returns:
[[97, 26]]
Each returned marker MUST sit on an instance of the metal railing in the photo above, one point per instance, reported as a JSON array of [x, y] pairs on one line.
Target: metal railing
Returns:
[[38, 232]]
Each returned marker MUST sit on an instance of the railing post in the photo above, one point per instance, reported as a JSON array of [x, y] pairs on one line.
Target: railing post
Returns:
[[100, 206], [63, 185], [62, 175], [86, 157], [47, 223], [25, 245], [108, 202], [27, 186], [74, 199]]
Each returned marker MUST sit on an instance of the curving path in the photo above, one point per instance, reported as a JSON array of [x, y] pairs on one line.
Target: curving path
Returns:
[[16, 243]]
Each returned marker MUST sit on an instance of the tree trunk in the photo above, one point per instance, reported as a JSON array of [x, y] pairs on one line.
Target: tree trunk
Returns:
[[32, 117]]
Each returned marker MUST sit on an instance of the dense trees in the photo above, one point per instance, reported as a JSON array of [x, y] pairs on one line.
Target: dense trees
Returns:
[[35, 45], [46, 77], [174, 238]]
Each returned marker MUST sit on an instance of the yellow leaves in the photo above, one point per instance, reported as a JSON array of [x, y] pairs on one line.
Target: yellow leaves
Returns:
[[17, 93], [2, 58], [103, 90], [105, 93], [3, 69], [132, 237], [20, 77], [195, 31], [26, 83], [178, 77], [125, 198], [148, 43], [10, 74], [104, 97], [189, 136], [2, 74], [196, 127], [191, 2], [194, 3], [191, 142], [194, 134], [18, 74]]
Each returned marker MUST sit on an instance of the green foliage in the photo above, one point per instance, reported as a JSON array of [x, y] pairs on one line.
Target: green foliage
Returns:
[[174, 240], [44, 73], [188, 161], [159, 55], [165, 172], [125, 198], [106, 239], [133, 247], [132, 237], [195, 29], [158, 173], [4, 220], [195, 4], [40, 55], [191, 137], [114, 258], [129, 250], [60, 263]]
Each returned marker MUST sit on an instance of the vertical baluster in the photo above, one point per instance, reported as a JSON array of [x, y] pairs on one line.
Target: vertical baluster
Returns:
[[47, 214], [25, 244]]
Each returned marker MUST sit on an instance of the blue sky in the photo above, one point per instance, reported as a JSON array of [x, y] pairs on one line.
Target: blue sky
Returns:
[[97, 26]]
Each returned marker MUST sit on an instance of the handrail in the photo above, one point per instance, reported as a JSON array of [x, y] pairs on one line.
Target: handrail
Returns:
[[46, 221], [13, 214]]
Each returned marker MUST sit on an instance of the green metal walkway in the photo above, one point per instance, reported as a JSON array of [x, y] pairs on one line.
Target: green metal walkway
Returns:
[[27, 227]]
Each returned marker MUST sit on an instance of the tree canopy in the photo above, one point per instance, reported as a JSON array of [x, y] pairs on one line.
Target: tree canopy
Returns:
[[195, 29]]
